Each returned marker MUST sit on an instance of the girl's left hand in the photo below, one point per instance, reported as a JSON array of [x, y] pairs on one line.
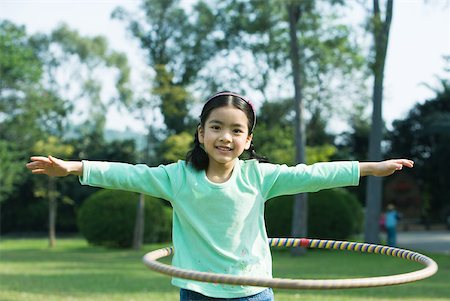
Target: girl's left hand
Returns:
[[384, 168]]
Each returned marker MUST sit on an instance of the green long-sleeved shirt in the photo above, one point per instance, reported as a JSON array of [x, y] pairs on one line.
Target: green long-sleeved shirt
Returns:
[[220, 227]]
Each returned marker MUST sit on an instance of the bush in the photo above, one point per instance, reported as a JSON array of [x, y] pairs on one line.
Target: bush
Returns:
[[278, 215], [107, 218], [332, 214]]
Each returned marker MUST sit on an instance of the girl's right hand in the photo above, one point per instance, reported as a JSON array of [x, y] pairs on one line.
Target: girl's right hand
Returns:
[[54, 167]]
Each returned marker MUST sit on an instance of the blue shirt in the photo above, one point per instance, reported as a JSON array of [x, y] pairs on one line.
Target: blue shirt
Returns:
[[391, 219]]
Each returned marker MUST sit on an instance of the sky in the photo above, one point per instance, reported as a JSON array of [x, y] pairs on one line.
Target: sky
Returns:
[[419, 38]]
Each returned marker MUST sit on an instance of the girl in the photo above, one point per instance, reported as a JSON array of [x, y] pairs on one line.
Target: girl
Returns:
[[218, 199]]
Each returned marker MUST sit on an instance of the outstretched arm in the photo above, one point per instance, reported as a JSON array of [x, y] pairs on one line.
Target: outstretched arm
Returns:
[[54, 167], [383, 168]]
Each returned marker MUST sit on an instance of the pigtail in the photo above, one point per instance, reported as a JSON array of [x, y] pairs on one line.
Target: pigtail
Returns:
[[197, 155], [253, 155]]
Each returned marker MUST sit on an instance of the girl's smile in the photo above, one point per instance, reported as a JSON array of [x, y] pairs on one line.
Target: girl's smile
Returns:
[[224, 148]]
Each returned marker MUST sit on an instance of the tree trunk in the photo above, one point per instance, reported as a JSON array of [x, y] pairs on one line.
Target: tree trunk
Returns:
[[138, 235], [52, 207], [300, 210], [374, 185]]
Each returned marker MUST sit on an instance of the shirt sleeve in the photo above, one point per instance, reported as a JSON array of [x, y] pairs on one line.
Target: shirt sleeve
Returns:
[[279, 180], [154, 181]]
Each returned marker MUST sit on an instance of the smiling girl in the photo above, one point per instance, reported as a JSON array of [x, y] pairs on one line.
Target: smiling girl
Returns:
[[218, 199]]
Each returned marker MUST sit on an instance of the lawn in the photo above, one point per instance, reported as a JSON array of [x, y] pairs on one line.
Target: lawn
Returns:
[[29, 270]]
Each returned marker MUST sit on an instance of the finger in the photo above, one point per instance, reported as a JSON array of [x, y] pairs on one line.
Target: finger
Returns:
[[39, 171], [32, 165], [29, 165], [36, 165], [407, 163], [40, 159]]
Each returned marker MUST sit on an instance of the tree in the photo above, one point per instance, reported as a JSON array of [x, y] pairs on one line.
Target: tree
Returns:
[[33, 95], [297, 40], [177, 47], [380, 31], [51, 146], [300, 210], [20, 69], [21, 89], [353, 145], [424, 136], [10, 169], [36, 103], [175, 147], [66, 47], [92, 54], [275, 124]]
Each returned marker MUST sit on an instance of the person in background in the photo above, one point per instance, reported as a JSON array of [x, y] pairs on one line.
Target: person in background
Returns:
[[391, 221]]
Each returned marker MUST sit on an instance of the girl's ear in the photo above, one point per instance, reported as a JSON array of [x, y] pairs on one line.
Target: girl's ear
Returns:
[[201, 134], [248, 142]]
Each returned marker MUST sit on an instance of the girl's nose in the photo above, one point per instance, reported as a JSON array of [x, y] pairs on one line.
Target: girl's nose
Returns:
[[226, 137]]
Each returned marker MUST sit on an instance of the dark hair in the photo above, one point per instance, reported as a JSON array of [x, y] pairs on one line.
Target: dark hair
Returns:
[[197, 155]]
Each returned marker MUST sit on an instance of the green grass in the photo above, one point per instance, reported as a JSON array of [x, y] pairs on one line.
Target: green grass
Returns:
[[29, 270]]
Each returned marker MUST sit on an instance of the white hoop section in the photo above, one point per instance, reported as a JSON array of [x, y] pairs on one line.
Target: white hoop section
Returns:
[[150, 260]]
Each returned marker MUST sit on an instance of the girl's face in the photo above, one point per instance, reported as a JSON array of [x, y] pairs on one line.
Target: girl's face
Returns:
[[225, 135]]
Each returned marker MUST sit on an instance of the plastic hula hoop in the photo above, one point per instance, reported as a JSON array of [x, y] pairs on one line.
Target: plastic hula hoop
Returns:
[[150, 260]]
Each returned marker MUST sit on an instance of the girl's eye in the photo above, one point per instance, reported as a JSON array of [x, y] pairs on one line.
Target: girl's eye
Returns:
[[215, 127], [238, 131]]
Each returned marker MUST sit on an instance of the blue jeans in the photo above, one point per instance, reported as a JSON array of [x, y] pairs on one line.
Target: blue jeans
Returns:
[[187, 295]]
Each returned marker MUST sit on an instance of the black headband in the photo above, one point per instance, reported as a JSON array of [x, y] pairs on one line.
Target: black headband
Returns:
[[238, 96]]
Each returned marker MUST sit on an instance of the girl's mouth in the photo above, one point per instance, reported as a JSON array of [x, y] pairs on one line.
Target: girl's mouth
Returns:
[[223, 148]]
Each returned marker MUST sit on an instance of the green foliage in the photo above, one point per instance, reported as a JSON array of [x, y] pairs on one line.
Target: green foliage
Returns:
[[10, 169], [175, 147], [93, 53], [278, 216], [283, 150], [53, 146], [21, 70], [19, 208], [26, 107], [275, 124], [354, 145], [332, 62], [423, 136], [173, 96], [107, 218], [19, 64], [332, 214], [321, 153], [178, 45]]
